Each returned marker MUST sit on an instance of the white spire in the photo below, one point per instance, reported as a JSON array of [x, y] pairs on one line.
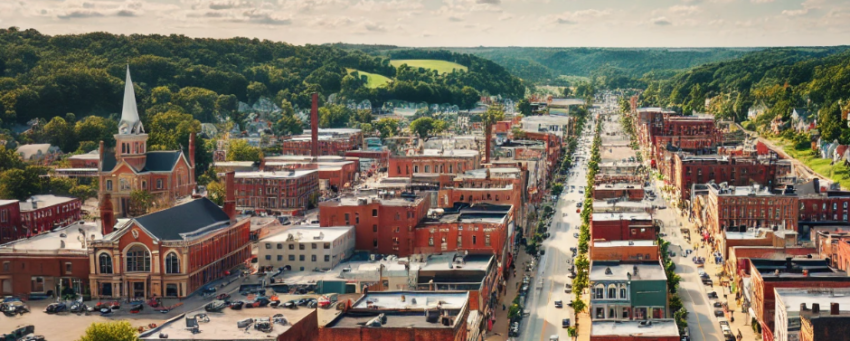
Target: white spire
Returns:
[[130, 123]]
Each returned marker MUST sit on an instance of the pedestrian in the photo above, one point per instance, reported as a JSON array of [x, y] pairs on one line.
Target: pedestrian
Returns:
[[503, 306]]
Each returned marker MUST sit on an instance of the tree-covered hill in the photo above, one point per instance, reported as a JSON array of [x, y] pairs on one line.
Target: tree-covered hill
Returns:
[[44, 76]]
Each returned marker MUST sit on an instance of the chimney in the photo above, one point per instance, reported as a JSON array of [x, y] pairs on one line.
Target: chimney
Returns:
[[314, 126], [815, 308], [192, 150], [100, 159], [229, 197], [488, 129], [833, 308], [802, 307], [107, 216]]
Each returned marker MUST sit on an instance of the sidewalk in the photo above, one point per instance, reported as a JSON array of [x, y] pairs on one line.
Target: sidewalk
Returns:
[[500, 328]]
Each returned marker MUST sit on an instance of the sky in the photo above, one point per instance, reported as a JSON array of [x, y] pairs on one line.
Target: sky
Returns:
[[548, 23]]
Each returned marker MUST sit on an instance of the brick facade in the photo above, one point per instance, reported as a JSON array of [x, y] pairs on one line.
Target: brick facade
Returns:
[[610, 229], [10, 218]]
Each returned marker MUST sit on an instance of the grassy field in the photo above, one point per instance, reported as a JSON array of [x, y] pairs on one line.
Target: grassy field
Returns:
[[838, 172], [374, 80], [441, 66]]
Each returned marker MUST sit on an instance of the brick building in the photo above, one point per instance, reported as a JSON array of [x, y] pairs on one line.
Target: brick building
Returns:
[[622, 226], [479, 229], [331, 141], [409, 315], [823, 325], [494, 185], [41, 213], [688, 170], [45, 264], [631, 191], [768, 274], [301, 325], [383, 225], [742, 207], [624, 250], [169, 253], [10, 218], [334, 171], [131, 166], [795, 304], [434, 161], [276, 192]]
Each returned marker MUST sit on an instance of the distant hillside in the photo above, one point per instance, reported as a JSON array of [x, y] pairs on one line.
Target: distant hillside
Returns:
[[440, 66]]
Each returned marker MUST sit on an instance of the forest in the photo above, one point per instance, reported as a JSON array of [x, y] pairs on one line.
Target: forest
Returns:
[[778, 79]]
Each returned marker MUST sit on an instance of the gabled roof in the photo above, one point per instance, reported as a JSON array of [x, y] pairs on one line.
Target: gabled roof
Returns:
[[171, 223], [157, 161]]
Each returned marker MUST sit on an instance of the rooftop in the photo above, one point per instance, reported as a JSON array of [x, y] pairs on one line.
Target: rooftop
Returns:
[[309, 233], [4, 202], [750, 234], [92, 155], [222, 326], [449, 152], [793, 268], [288, 174], [44, 200], [614, 270], [403, 309], [754, 190], [60, 240], [622, 216], [791, 298], [619, 186], [478, 213], [456, 262], [183, 221], [360, 200], [651, 328], [624, 243]]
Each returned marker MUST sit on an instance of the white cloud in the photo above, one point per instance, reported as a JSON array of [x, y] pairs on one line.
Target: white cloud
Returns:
[[80, 14], [373, 27], [661, 21], [761, 1], [796, 12], [684, 10]]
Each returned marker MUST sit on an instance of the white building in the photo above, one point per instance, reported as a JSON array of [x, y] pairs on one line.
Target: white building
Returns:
[[789, 302], [307, 247]]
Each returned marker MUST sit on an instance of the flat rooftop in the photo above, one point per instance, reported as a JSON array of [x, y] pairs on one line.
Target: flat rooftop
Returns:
[[403, 309], [818, 269], [448, 152], [60, 240], [614, 270], [619, 186], [360, 200], [222, 326], [233, 163], [622, 216], [309, 233], [44, 200], [624, 243], [651, 328], [750, 234], [481, 213], [288, 174], [440, 262], [793, 297]]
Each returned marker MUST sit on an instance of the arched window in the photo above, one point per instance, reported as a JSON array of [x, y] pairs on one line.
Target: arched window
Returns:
[[612, 291], [599, 289], [138, 259], [622, 291], [105, 263], [172, 263]]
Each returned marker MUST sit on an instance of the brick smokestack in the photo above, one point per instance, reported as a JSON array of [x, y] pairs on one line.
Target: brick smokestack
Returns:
[[107, 216], [314, 126], [192, 150], [230, 195], [488, 131]]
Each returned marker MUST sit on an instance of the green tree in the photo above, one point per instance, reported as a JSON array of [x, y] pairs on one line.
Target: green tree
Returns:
[[517, 133], [557, 188], [256, 90], [524, 107], [96, 129], [110, 331], [494, 113], [84, 192], [19, 183], [240, 150], [422, 126], [61, 134], [334, 116], [60, 186], [289, 125], [829, 122], [387, 127], [171, 129], [578, 305], [9, 159], [216, 192], [141, 201]]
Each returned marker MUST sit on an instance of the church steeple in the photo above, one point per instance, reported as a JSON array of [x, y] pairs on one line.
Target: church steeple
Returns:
[[130, 122]]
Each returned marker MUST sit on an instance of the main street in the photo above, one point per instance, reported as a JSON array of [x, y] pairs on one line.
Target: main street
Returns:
[[551, 276]]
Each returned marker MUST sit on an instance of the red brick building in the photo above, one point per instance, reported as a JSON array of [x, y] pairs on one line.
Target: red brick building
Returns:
[[622, 226], [829, 206], [735, 171], [748, 207], [276, 192], [649, 330], [331, 141], [624, 250], [132, 167], [768, 274], [383, 225], [334, 171], [631, 191], [41, 213], [10, 218], [47, 263], [479, 229], [169, 253], [433, 162]]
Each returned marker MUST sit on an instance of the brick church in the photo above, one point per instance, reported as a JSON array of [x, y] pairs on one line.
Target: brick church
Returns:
[[132, 167]]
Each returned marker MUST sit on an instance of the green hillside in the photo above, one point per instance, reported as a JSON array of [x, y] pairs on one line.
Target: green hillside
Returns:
[[373, 80], [441, 66]]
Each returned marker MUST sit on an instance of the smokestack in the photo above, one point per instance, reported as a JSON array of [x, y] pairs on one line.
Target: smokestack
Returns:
[[833, 308], [487, 135], [314, 126], [230, 195], [107, 216]]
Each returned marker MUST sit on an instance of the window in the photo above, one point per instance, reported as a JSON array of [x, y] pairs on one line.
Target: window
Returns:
[[279, 246], [37, 284], [375, 214], [301, 247], [416, 168], [314, 246], [357, 218], [7, 266], [375, 242], [279, 258], [313, 258], [600, 313], [427, 169], [622, 292], [327, 258], [172, 263], [291, 257], [599, 291], [347, 222], [459, 241], [431, 241], [327, 246], [292, 246], [397, 216], [835, 206], [845, 204], [105, 262], [138, 259], [108, 185], [374, 228], [474, 240], [268, 246], [612, 291], [124, 184], [268, 257], [486, 240], [144, 184], [158, 183], [301, 257]]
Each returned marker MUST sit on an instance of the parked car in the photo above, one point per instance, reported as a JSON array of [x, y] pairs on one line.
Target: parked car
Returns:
[[302, 302], [718, 313], [712, 294], [559, 304], [707, 281], [576, 235], [565, 323], [290, 304]]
